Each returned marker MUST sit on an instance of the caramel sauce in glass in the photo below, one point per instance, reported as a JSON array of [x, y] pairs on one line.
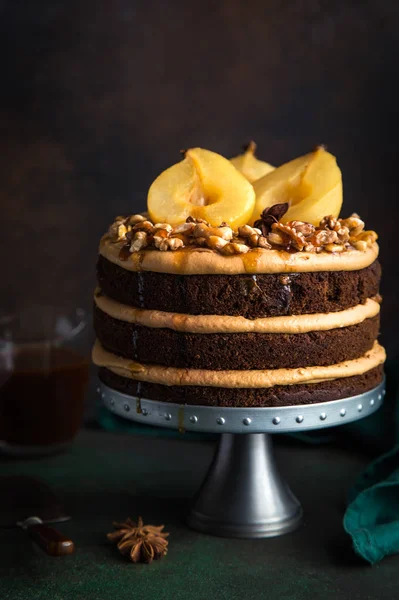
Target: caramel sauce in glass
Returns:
[[42, 403]]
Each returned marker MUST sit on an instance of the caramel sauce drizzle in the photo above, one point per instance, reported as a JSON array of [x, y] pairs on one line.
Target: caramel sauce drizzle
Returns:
[[180, 420], [138, 399]]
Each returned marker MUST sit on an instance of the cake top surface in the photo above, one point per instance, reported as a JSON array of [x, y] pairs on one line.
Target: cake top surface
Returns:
[[207, 214]]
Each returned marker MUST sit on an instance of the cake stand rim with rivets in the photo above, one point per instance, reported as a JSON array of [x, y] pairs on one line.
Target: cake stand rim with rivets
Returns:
[[243, 494]]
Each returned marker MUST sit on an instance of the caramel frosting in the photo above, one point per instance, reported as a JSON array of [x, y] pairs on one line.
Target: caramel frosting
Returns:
[[203, 261], [236, 379], [227, 324]]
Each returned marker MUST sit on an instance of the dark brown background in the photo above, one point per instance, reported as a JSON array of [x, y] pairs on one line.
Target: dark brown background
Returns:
[[98, 96]]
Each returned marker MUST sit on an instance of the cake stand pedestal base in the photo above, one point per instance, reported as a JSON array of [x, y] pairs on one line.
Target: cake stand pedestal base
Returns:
[[243, 494]]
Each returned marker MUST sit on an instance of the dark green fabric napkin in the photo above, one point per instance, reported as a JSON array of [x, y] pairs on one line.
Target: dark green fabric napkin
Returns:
[[372, 515]]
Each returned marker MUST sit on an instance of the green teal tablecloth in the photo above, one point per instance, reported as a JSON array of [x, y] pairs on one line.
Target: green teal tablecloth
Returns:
[[107, 476]]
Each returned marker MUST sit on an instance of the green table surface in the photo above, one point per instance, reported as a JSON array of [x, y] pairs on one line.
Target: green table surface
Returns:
[[106, 476]]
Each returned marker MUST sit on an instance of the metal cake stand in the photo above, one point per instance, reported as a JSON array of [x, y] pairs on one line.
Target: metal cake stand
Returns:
[[243, 494]]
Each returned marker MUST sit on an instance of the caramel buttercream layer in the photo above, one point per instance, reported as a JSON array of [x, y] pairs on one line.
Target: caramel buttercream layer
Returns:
[[208, 324], [203, 261], [170, 376], [279, 395]]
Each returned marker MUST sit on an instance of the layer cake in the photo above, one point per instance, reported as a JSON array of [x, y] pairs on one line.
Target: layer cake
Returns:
[[263, 311]]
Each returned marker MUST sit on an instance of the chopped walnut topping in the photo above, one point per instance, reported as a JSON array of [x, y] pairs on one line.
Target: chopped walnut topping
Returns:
[[139, 241], [367, 236], [163, 226], [295, 237], [146, 226], [305, 229], [253, 240], [334, 248], [324, 237], [184, 228], [278, 239], [137, 232], [192, 220], [206, 231], [200, 242], [216, 243], [171, 244], [343, 234], [235, 248], [159, 237], [135, 219], [122, 231], [329, 222], [161, 233], [310, 248], [247, 230], [362, 246], [253, 237], [263, 243], [353, 222]]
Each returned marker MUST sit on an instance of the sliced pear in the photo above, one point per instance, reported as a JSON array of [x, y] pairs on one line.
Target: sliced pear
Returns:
[[311, 184], [251, 167], [204, 185]]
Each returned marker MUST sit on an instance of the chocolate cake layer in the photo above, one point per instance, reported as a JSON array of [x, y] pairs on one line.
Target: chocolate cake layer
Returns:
[[280, 395], [245, 295], [221, 351]]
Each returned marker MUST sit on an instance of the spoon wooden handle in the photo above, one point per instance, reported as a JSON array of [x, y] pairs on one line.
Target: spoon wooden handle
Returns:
[[50, 540]]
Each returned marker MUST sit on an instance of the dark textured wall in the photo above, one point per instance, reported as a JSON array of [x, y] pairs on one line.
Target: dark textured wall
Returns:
[[98, 96]]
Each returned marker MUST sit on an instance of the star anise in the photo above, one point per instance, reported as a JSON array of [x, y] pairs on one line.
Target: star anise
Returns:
[[143, 543], [269, 216]]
